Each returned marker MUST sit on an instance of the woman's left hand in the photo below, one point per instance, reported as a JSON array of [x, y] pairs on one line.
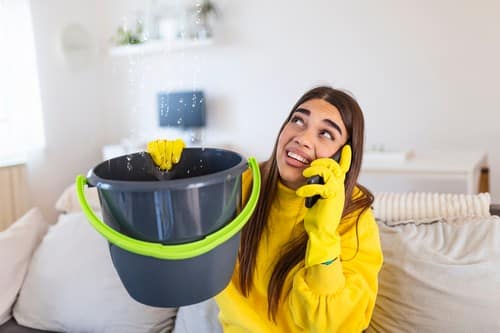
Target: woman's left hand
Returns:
[[321, 221]]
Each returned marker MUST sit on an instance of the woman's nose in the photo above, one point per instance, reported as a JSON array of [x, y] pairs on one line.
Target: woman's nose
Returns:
[[305, 139]]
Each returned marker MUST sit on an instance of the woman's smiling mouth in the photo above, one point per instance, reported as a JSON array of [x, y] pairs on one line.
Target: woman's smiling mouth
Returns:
[[298, 157]]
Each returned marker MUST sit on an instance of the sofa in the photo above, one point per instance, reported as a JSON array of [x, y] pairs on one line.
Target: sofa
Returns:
[[441, 272]]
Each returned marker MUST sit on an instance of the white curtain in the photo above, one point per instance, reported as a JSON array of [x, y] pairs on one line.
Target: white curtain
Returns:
[[21, 122]]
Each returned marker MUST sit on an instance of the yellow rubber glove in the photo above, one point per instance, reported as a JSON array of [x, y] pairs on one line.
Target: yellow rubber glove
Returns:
[[166, 153], [322, 220]]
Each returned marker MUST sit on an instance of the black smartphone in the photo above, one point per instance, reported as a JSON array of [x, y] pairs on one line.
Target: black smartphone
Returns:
[[310, 201]]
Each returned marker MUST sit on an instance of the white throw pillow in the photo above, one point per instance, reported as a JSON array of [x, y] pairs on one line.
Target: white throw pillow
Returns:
[[72, 286], [439, 277], [68, 201], [17, 244]]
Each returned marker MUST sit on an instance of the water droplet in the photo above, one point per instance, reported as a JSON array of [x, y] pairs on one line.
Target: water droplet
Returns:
[[129, 165]]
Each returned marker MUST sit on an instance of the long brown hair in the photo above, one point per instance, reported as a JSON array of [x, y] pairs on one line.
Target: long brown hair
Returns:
[[293, 252]]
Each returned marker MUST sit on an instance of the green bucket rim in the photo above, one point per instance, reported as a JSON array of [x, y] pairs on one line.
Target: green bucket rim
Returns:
[[177, 251]]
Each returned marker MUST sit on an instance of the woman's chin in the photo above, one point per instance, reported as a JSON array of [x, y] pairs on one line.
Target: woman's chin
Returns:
[[293, 182], [291, 176]]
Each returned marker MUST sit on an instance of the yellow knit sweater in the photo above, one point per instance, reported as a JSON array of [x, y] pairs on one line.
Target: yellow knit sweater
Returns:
[[335, 298]]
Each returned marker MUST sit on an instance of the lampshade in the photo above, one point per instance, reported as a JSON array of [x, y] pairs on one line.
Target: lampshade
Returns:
[[181, 109]]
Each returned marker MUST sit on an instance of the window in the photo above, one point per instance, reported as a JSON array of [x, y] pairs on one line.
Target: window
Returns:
[[21, 123]]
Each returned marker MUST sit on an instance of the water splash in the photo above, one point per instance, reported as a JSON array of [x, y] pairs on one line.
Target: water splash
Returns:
[[180, 72], [129, 163], [161, 174]]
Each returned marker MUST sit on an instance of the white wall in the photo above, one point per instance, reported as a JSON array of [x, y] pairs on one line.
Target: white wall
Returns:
[[71, 102], [425, 73]]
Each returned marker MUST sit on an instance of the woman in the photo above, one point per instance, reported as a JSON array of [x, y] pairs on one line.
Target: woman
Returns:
[[300, 269], [305, 269]]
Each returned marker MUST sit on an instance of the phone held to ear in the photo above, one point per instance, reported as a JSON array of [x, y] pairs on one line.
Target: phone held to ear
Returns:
[[310, 201]]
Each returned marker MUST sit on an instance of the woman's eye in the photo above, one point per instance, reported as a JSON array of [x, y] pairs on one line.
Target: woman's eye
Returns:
[[327, 135], [297, 120]]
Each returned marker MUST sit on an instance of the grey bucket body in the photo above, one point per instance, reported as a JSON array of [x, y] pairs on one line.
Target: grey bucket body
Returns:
[[202, 194], [174, 283]]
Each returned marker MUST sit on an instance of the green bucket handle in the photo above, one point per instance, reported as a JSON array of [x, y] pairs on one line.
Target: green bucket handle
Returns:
[[178, 251]]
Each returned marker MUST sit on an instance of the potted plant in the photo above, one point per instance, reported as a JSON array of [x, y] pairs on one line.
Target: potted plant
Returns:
[[204, 12]]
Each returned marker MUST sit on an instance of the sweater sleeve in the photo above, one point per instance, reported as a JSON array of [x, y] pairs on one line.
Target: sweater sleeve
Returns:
[[340, 297]]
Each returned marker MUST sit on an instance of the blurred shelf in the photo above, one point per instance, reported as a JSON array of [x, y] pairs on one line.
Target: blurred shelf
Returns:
[[373, 156], [9, 160], [158, 46]]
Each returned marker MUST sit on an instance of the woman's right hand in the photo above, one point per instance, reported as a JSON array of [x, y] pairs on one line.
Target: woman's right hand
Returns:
[[321, 220], [166, 153]]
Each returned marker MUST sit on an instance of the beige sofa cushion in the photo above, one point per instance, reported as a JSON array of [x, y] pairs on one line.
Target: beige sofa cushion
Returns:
[[439, 277], [17, 244], [72, 286], [68, 201]]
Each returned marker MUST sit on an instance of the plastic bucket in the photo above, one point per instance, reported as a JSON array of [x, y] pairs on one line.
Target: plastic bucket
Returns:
[[203, 192], [173, 275]]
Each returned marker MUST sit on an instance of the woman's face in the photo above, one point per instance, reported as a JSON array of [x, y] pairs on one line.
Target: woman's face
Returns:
[[315, 130]]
